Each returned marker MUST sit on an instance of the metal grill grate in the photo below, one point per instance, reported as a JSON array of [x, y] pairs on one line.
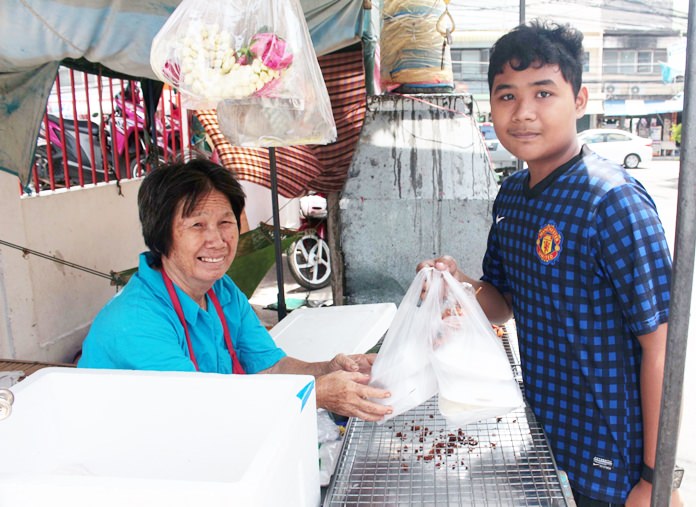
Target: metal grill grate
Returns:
[[415, 459]]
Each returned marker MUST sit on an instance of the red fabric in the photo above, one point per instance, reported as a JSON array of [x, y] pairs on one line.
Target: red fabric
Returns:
[[322, 168]]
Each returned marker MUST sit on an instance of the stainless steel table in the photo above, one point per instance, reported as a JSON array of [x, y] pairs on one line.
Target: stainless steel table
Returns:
[[415, 459]]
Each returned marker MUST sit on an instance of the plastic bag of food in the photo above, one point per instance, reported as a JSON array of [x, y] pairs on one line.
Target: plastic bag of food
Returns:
[[254, 62], [474, 375], [403, 365]]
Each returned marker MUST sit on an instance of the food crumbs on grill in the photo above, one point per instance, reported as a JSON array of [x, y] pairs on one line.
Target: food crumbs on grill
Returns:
[[436, 447], [404, 467], [498, 419]]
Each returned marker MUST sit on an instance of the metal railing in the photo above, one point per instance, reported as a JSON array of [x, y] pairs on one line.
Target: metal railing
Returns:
[[94, 131]]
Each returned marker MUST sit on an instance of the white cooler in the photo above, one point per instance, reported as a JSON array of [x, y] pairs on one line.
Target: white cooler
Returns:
[[318, 334], [79, 437]]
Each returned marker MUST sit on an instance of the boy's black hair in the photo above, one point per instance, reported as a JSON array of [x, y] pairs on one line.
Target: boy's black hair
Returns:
[[536, 44]]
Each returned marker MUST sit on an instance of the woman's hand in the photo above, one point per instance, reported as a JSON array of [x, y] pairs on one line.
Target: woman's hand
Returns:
[[356, 362], [347, 393]]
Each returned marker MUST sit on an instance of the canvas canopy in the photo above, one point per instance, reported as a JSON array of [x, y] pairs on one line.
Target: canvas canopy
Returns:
[[37, 35]]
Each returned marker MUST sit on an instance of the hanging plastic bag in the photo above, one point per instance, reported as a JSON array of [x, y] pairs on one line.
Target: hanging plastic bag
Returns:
[[254, 62], [403, 365], [475, 379]]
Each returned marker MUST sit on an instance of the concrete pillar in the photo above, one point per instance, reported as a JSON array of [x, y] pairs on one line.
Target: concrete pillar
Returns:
[[420, 185]]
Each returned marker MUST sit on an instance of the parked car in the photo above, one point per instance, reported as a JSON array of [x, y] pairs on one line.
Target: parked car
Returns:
[[504, 163], [619, 146]]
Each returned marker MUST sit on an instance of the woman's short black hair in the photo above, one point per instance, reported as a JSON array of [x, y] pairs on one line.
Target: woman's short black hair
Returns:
[[540, 43], [175, 183]]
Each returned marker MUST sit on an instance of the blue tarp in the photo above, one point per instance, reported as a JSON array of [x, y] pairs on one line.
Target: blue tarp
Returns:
[[35, 35], [642, 107]]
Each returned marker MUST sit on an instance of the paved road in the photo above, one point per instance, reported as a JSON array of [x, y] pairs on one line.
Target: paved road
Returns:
[[661, 178]]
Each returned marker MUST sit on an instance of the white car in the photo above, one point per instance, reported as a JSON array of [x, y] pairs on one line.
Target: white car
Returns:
[[504, 163], [618, 146]]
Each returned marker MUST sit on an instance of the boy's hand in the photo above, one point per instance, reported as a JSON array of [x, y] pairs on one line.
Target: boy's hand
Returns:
[[444, 263]]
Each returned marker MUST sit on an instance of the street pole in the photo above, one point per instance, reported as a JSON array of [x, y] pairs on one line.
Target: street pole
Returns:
[[682, 283], [282, 309], [523, 15]]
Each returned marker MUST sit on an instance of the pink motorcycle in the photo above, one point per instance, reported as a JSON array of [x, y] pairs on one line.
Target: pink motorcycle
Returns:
[[129, 121]]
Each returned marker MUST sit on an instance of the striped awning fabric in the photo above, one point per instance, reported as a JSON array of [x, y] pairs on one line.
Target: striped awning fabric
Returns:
[[321, 168]]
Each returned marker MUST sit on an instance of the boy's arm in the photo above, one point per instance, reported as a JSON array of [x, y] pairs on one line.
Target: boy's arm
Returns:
[[652, 370], [496, 306]]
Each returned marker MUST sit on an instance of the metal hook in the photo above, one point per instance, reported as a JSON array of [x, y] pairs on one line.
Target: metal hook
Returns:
[[446, 31]]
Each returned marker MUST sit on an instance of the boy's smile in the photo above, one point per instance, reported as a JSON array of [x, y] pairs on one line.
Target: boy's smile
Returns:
[[534, 113]]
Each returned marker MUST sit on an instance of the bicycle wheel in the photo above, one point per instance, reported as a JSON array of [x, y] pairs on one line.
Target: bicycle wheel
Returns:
[[309, 261]]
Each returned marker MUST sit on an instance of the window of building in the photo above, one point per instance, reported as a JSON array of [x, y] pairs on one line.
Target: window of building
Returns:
[[631, 61], [469, 64], [586, 61]]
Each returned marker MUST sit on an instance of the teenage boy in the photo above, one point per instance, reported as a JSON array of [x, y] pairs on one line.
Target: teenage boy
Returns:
[[577, 253]]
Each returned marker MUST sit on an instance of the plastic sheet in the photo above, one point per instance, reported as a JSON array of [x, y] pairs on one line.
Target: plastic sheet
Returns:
[[252, 61]]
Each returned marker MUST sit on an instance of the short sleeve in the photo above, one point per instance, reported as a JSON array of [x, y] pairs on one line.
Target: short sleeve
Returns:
[[633, 252], [493, 271]]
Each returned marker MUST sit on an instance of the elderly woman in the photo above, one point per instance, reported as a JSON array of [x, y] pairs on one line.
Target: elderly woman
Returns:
[[181, 312]]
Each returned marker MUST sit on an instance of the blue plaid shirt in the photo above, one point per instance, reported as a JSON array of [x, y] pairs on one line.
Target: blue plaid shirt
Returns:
[[584, 255]]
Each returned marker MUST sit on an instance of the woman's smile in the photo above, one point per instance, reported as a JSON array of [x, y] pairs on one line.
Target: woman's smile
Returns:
[[203, 245]]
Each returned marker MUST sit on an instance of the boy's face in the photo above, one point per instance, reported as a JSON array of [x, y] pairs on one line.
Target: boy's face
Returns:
[[534, 113]]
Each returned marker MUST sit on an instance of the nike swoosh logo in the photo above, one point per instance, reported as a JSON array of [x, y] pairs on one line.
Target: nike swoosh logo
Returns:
[[499, 219]]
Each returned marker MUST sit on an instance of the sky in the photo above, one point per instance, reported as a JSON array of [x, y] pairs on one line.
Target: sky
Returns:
[[494, 14]]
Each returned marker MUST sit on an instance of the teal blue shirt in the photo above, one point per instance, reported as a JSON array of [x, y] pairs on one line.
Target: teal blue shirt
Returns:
[[138, 329]]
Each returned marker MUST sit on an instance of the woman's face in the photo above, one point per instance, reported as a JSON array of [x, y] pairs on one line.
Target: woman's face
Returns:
[[203, 245]]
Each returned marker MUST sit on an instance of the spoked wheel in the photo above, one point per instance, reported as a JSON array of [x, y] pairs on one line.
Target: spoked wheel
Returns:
[[631, 161], [309, 261]]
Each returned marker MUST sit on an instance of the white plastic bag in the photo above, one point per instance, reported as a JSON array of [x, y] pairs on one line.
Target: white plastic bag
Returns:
[[475, 379], [403, 365], [442, 342], [329, 435], [253, 61]]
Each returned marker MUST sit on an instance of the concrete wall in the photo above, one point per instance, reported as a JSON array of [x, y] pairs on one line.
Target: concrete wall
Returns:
[[46, 307], [419, 186]]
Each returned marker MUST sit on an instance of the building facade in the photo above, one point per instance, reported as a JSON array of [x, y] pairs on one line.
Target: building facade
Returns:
[[634, 58]]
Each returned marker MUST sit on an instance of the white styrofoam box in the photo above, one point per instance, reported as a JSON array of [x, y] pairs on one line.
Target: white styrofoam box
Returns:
[[80, 437], [318, 334]]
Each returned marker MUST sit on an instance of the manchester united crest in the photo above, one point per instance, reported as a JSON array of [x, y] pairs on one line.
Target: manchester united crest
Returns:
[[549, 243]]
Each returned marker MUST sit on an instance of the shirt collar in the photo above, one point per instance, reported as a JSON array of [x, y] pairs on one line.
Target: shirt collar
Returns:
[[539, 188], [153, 279]]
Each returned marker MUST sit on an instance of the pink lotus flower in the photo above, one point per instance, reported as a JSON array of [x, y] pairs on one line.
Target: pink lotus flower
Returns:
[[172, 71], [272, 50]]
